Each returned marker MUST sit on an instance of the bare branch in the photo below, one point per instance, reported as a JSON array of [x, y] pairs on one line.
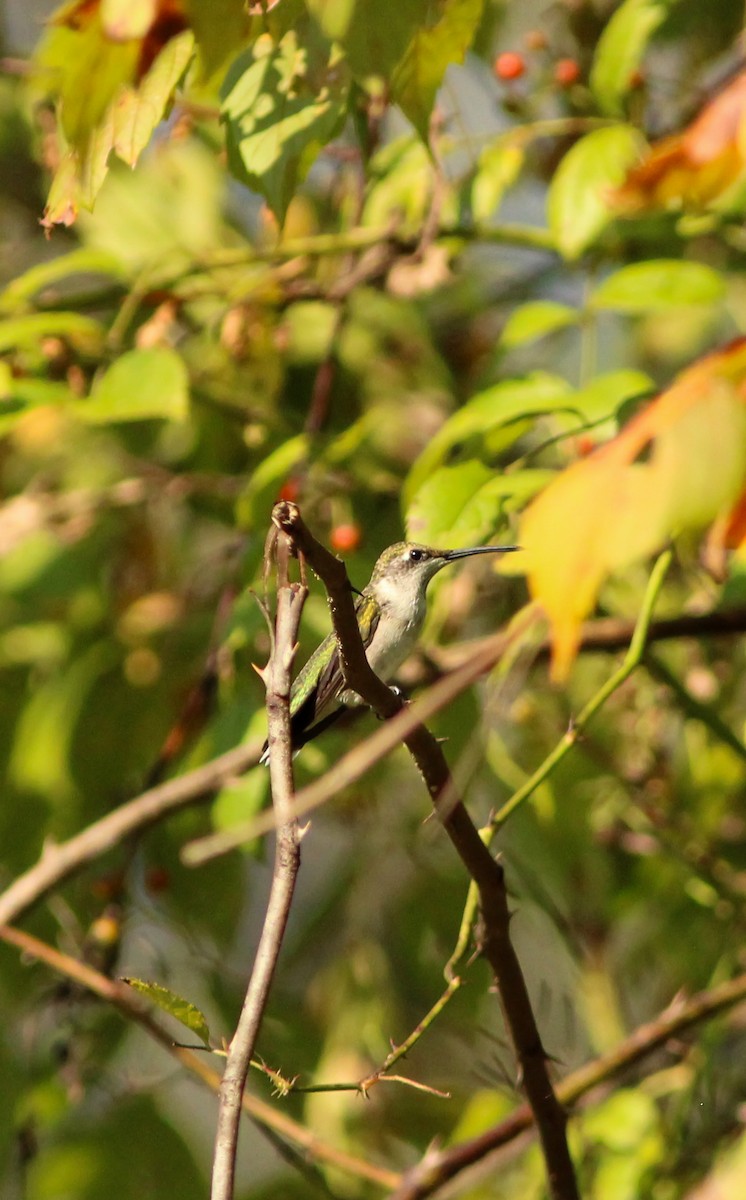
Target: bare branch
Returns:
[[278, 674]]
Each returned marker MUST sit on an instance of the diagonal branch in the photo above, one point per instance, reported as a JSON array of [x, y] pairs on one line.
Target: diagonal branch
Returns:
[[486, 873], [133, 1009], [59, 862], [441, 1166], [464, 664]]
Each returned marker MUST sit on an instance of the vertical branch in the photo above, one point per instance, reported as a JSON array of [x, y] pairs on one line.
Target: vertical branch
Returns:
[[290, 601]]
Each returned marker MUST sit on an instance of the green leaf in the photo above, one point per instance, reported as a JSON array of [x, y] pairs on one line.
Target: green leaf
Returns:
[[92, 74], [85, 334], [84, 69], [17, 396], [501, 406], [498, 168], [658, 283], [281, 105], [375, 34], [40, 761], [138, 110], [441, 500], [578, 205], [536, 320], [419, 74], [606, 393], [255, 501], [176, 1006], [398, 186], [45, 276], [221, 28], [463, 504], [621, 48], [141, 385]]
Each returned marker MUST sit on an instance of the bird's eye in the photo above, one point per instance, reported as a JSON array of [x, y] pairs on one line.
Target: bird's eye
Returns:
[[416, 555]]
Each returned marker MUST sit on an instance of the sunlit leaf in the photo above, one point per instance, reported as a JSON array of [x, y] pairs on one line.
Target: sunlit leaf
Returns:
[[605, 393], [141, 385], [375, 34], [85, 333], [498, 168], [397, 174], [281, 105], [84, 69], [658, 284], [461, 505], [500, 407], [620, 50], [261, 491], [126, 19], [176, 1006], [433, 48], [112, 69], [536, 320], [578, 203], [138, 110], [616, 506]]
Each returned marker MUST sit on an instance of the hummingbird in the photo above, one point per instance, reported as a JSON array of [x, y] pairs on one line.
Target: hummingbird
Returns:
[[390, 614]]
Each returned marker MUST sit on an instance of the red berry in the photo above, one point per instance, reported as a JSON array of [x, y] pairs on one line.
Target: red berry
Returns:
[[346, 538], [566, 72], [289, 490], [584, 445], [157, 879], [509, 65]]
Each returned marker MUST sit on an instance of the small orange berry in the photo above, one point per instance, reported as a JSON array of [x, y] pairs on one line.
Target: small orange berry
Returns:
[[346, 538], [509, 65], [566, 72]]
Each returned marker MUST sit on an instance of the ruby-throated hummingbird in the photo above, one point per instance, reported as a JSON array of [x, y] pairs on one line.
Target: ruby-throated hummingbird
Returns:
[[390, 615]]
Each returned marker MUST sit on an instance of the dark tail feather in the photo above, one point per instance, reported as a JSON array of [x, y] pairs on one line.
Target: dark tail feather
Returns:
[[301, 733]]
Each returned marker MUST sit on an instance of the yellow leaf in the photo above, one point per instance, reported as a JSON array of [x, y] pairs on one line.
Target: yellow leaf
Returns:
[[679, 464], [696, 167]]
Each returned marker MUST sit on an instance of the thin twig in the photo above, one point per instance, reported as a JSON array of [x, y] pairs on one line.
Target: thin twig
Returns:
[[278, 676], [133, 1009], [487, 874], [681, 1015], [632, 660]]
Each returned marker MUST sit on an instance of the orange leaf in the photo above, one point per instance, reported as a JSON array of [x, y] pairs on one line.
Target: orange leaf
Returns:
[[695, 167], [677, 465]]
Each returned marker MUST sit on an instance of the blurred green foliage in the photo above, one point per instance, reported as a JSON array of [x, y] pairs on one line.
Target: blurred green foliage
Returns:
[[407, 339]]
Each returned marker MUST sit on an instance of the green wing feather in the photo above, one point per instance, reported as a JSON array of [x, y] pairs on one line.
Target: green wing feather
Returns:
[[308, 707]]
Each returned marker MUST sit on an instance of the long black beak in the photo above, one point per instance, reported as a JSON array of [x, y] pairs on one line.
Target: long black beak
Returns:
[[450, 555]]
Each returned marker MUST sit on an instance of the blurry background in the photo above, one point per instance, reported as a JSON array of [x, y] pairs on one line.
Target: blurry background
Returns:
[[169, 366]]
